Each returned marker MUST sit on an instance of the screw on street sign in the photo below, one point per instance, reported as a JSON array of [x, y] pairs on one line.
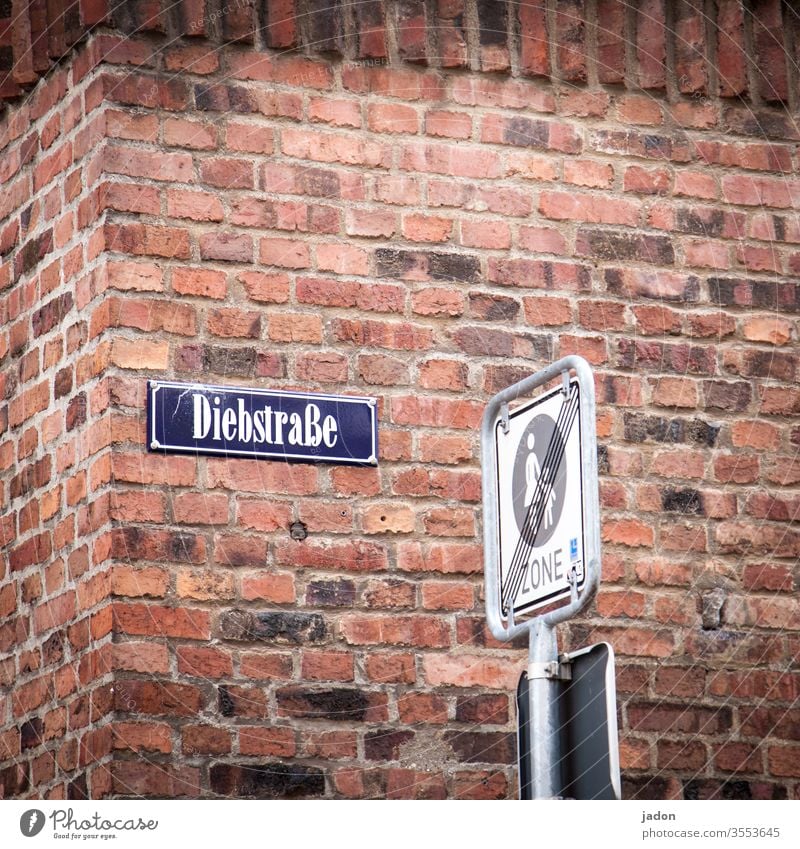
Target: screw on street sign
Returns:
[[540, 501]]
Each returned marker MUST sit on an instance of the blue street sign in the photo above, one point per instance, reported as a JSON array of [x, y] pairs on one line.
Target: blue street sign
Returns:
[[261, 423]]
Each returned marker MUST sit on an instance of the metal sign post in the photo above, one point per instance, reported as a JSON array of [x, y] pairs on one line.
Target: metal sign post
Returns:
[[541, 534]]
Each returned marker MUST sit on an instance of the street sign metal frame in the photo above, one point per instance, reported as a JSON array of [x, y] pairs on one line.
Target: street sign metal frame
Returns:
[[171, 414], [504, 627]]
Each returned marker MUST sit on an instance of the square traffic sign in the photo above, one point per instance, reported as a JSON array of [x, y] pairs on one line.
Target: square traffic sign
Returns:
[[540, 501]]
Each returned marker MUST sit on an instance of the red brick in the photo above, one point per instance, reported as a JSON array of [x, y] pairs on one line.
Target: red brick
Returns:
[[387, 667], [783, 761], [54, 613], [249, 138], [419, 631], [344, 149], [392, 118], [342, 259], [204, 662], [372, 223], [152, 620], [435, 412], [331, 745], [351, 556], [353, 481], [133, 126], [338, 112], [141, 778], [226, 247], [205, 739], [152, 315], [227, 173], [199, 206], [287, 253], [192, 134], [646, 181], [295, 327], [278, 588], [204, 586], [175, 167], [266, 667], [454, 125], [427, 228], [731, 57], [495, 235], [629, 532], [585, 172], [253, 476], [233, 323], [470, 671], [148, 657], [447, 595], [135, 582], [196, 59], [264, 288], [444, 159], [148, 240], [388, 518], [327, 666], [142, 736], [276, 741], [598, 210], [438, 301], [391, 82]]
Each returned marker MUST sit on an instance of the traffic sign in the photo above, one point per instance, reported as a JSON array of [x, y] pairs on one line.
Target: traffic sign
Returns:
[[540, 501], [541, 537], [584, 743], [591, 744]]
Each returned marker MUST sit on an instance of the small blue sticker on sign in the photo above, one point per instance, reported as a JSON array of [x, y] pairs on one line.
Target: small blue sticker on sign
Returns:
[[573, 548]]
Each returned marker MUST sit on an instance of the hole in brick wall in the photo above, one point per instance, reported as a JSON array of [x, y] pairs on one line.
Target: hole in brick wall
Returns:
[[712, 603], [298, 530]]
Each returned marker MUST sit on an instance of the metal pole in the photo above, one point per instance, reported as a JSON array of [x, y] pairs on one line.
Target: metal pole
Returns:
[[544, 733]]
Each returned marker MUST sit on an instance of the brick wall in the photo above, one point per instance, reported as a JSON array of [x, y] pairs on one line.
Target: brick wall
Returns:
[[54, 451], [422, 202]]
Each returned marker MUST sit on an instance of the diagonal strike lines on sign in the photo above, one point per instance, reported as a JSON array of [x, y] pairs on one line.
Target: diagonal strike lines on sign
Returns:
[[536, 509], [535, 513]]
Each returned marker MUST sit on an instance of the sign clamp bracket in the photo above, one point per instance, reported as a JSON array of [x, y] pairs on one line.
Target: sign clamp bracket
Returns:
[[552, 670], [504, 422]]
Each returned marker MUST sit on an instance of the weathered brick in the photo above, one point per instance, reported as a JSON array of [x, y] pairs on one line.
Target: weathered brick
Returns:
[[272, 780], [280, 627]]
